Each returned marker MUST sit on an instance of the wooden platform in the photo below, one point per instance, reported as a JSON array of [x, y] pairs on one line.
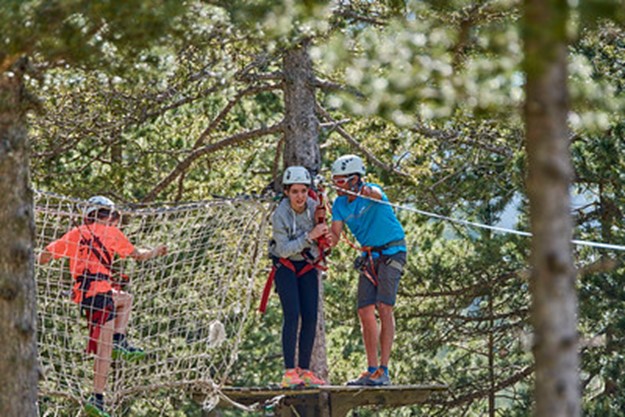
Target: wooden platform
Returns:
[[330, 401]]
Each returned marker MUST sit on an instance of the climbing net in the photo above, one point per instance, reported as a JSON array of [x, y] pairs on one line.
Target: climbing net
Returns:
[[189, 306]]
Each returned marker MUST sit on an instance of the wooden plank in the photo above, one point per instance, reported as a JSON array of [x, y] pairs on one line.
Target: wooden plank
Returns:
[[332, 400], [341, 402], [275, 391]]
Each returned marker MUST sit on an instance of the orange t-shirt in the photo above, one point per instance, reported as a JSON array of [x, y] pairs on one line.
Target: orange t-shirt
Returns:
[[79, 245]]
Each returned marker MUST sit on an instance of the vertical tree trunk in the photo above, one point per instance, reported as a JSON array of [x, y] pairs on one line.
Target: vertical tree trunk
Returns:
[[18, 347], [301, 147], [492, 393], [554, 301], [301, 123]]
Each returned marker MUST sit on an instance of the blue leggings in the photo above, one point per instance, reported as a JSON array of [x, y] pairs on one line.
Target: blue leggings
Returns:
[[299, 297]]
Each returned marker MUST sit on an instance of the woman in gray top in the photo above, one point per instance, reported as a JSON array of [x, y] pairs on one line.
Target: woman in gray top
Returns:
[[294, 246]]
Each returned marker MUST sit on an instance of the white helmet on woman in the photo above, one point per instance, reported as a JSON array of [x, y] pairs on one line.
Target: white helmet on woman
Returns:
[[348, 165], [296, 175], [98, 202]]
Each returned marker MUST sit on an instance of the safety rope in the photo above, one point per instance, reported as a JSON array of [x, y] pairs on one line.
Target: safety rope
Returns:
[[478, 225]]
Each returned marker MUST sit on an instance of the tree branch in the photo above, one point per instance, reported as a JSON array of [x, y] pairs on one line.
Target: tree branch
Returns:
[[472, 290], [357, 17], [224, 112], [468, 398], [333, 86], [369, 155], [523, 312], [603, 264], [271, 76], [332, 125], [453, 136], [229, 141]]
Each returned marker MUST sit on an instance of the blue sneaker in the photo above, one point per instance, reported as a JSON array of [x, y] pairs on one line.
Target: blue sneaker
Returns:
[[362, 380], [379, 378]]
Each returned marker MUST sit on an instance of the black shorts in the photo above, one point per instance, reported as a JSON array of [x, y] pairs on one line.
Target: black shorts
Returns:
[[97, 304], [389, 270]]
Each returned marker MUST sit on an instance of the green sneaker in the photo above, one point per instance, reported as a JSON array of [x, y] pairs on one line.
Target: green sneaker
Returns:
[[95, 408], [124, 350]]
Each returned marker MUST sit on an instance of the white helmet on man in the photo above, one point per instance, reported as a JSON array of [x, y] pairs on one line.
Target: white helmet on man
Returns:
[[296, 175], [348, 165], [98, 202]]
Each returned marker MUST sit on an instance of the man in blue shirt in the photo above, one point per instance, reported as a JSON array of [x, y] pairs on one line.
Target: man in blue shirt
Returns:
[[375, 226]]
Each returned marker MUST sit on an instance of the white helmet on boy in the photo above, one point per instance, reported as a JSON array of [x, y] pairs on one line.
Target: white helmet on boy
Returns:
[[296, 175], [98, 202], [347, 165]]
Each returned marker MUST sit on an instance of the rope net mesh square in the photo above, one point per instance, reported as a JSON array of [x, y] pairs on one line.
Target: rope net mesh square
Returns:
[[189, 306]]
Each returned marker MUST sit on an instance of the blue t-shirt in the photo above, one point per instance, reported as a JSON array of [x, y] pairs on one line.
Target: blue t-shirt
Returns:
[[372, 223]]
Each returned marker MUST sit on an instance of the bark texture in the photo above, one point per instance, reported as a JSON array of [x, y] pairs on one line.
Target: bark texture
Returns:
[[554, 299], [18, 353], [301, 126], [301, 134]]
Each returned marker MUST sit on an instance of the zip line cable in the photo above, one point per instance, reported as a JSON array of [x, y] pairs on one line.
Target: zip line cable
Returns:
[[475, 224]]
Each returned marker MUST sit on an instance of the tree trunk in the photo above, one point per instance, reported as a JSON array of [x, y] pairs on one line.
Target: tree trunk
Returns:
[[554, 301], [18, 353], [301, 133], [301, 124]]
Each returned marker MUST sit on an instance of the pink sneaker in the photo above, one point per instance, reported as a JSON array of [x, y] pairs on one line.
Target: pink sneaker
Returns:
[[311, 380], [291, 379]]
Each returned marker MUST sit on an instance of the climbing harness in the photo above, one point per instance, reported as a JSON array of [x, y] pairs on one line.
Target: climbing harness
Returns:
[[367, 264], [313, 263]]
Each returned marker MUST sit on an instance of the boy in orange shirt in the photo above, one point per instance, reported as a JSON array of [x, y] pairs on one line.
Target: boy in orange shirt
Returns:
[[91, 248]]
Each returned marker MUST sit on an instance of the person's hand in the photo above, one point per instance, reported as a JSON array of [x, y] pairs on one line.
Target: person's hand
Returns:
[[319, 230], [160, 250], [329, 238], [44, 257], [370, 192]]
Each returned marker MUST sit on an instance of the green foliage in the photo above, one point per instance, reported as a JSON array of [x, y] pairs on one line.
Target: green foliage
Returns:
[[83, 31], [279, 23], [594, 12], [433, 89], [421, 65]]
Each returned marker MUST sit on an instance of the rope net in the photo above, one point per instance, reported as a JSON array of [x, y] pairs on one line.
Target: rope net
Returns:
[[188, 310]]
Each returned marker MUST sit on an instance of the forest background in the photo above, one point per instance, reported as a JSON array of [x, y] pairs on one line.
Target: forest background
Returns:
[[221, 95]]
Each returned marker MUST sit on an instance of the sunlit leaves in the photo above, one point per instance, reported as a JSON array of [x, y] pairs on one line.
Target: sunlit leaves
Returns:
[[82, 31]]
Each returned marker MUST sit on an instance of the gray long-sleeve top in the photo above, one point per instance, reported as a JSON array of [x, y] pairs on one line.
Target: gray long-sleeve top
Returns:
[[290, 230]]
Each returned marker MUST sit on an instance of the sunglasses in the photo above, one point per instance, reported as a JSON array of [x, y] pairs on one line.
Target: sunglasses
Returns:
[[342, 181], [106, 214]]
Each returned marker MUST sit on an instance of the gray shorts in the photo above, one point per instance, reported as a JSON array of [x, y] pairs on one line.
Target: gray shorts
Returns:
[[389, 271]]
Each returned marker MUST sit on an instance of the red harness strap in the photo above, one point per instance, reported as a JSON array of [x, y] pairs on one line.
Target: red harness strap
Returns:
[[368, 270], [369, 266], [319, 263], [320, 217], [269, 283]]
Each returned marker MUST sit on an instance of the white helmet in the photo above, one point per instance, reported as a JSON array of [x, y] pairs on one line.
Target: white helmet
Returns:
[[98, 202], [296, 175], [348, 164]]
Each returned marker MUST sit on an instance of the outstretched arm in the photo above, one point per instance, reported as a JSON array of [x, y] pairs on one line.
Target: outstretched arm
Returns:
[[145, 254], [371, 192], [335, 230], [44, 257]]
